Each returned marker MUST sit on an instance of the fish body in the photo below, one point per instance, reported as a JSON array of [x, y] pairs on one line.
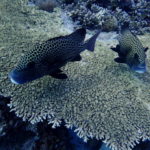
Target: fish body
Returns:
[[131, 51], [48, 57]]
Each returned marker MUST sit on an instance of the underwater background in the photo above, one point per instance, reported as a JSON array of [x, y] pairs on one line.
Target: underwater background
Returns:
[[102, 105]]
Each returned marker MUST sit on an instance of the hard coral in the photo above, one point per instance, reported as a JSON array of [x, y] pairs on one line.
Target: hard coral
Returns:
[[135, 12], [88, 14], [100, 98], [10, 126], [138, 16]]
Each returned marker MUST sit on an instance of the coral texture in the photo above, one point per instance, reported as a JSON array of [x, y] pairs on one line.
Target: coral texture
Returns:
[[100, 98], [23, 133], [47, 5], [90, 15], [97, 13], [18, 135]]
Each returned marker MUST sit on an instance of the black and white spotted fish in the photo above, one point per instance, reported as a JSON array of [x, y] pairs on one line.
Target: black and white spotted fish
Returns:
[[130, 50], [47, 58]]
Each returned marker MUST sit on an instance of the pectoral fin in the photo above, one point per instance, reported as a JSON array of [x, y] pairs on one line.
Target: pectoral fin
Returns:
[[58, 74], [77, 58], [136, 57], [116, 49], [145, 50], [58, 71], [120, 60]]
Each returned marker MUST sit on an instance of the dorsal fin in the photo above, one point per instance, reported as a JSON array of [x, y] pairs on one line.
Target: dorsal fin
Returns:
[[56, 38], [125, 27], [78, 35]]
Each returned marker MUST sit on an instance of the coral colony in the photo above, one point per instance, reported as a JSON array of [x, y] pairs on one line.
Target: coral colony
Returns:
[[100, 98]]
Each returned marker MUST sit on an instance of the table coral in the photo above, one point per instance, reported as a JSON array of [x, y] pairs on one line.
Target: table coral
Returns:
[[100, 98]]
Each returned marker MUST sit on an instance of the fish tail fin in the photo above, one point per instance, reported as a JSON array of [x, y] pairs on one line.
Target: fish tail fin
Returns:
[[90, 43]]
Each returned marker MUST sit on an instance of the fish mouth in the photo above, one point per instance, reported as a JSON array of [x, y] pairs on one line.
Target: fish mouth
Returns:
[[14, 78], [13, 81], [140, 71], [140, 68], [23, 76]]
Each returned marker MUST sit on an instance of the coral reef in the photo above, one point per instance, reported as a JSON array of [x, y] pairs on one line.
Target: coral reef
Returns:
[[138, 16], [90, 15], [47, 5], [97, 14], [100, 98], [15, 134], [107, 15], [18, 135]]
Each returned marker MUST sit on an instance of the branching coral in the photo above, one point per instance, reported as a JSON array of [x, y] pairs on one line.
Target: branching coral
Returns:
[[10, 126], [97, 13], [100, 98], [90, 15], [138, 16]]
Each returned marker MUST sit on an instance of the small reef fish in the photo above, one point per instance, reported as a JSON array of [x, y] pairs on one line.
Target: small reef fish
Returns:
[[47, 58], [130, 50]]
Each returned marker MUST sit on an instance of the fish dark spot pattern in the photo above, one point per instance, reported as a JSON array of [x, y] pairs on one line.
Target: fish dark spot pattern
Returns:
[[47, 58], [130, 50]]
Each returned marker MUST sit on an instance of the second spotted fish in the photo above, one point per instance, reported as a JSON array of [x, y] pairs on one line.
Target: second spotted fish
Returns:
[[131, 50], [47, 58]]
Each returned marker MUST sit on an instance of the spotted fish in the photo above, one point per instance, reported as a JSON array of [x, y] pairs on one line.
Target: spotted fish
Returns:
[[47, 58], [130, 50]]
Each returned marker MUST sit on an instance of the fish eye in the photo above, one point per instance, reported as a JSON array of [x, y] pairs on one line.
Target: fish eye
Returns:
[[31, 64]]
